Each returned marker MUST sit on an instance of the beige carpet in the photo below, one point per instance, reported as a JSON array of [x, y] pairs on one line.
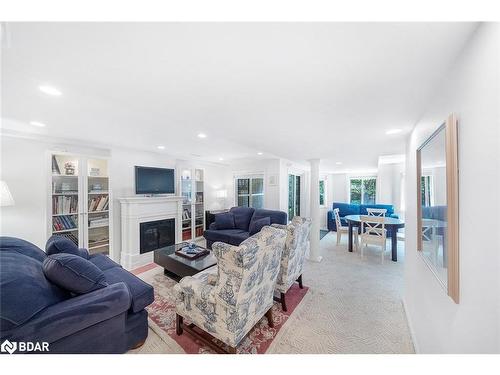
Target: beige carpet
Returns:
[[353, 306]]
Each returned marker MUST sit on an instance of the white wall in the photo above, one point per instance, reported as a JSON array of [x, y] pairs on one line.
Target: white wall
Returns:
[[470, 90], [389, 184]]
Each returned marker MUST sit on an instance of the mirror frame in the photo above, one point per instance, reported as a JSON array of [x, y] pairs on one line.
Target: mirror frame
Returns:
[[452, 234]]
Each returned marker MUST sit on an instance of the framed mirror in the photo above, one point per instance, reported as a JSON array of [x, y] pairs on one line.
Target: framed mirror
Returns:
[[437, 206]]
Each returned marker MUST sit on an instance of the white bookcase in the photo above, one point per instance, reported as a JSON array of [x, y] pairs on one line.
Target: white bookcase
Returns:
[[80, 201], [191, 187]]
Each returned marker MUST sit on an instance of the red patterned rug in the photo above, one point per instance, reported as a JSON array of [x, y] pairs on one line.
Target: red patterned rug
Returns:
[[162, 319]]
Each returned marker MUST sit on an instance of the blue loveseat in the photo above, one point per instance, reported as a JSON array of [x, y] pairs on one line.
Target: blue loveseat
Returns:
[[111, 319], [346, 209], [245, 220]]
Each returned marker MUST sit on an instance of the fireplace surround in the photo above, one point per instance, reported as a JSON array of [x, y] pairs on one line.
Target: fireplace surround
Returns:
[[143, 210]]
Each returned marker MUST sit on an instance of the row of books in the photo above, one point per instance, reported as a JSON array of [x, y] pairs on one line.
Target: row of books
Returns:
[[64, 205], [63, 223], [99, 203], [98, 221]]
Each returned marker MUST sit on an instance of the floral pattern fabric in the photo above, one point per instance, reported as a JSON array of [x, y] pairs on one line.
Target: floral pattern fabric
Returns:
[[243, 289], [296, 247]]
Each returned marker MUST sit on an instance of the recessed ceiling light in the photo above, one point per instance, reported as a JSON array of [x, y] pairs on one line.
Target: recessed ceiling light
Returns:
[[202, 135], [221, 159], [37, 123], [259, 153], [49, 90], [393, 131], [160, 147], [338, 163]]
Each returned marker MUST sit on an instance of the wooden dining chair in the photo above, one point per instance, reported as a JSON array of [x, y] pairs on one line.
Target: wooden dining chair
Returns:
[[340, 228], [373, 232], [376, 211]]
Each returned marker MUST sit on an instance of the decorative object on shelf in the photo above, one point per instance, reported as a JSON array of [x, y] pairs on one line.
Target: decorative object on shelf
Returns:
[[55, 166], [95, 172], [69, 168], [5, 195], [438, 214], [65, 186], [192, 251], [96, 187]]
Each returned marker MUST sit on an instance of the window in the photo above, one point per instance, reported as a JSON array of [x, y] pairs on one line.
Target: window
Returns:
[[362, 190], [322, 193], [250, 192], [293, 196], [427, 189]]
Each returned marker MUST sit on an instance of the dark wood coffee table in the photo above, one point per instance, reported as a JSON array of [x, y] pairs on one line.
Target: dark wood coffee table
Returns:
[[177, 267]]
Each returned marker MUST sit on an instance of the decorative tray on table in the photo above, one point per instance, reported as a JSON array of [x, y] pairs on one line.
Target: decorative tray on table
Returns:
[[191, 251]]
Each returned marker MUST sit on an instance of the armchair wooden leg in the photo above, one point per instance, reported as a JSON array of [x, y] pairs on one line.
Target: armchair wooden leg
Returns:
[[269, 316], [300, 282], [231, 350], [178, 324], [283, 302]]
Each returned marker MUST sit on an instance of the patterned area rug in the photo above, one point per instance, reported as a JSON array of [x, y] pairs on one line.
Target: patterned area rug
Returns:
[[162, 320]]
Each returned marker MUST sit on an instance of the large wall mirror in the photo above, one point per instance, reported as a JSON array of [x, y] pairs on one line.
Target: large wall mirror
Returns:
[[437, 184]]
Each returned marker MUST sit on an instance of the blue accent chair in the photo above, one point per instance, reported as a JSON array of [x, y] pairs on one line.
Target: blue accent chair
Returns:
[[112, 319], [243, 218], [346, 209]]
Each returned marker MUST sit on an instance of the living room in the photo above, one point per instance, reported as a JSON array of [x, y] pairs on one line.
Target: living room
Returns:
[[245, 188]]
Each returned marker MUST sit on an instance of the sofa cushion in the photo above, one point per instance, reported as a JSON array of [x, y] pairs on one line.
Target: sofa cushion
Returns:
[[346, 208], [277, 217], [22, 247], [73, 273], [142, 293], [242, 217], [24, 289], [363, 208], [238, 238], [224, 221], [257, 224], [59, 244], [221, 235], [103, 262]]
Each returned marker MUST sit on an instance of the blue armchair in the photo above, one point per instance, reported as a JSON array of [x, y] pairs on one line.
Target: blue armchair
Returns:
[[32, 308], [346, 209]]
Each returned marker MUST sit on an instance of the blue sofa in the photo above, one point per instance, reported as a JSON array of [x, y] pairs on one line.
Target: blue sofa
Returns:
[[243, 219], [354, 209], [111, 319]]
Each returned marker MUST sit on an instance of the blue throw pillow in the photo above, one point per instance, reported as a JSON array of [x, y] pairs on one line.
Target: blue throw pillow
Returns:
[[224, 220], [59, 244], [257, 225], [73, 273]]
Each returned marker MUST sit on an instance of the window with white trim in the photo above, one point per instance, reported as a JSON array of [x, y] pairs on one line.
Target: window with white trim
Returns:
[[362, 190], [250, 191]]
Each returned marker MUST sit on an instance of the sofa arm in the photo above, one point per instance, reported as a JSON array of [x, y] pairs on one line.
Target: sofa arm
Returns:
[[75, 314], [220, 249], [191, 290], [212, 226], [395, 216]]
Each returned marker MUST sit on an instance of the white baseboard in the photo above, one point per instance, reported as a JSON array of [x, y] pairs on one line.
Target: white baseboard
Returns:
[[410, 326]]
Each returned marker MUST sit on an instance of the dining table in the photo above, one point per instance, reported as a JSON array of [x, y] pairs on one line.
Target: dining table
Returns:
[[392, 224]]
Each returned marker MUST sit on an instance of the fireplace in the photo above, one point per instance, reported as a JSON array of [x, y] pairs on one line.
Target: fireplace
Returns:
[[156, 234]]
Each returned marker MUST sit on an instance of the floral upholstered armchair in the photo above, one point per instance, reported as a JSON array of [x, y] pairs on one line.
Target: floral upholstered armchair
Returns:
[[241, 294], [292, 259]]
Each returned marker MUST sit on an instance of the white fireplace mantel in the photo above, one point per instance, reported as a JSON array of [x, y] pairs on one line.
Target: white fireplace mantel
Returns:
[[137, 210]]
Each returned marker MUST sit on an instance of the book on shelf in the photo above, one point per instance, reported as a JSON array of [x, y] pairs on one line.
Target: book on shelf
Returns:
[[63, 223], [99, 203], [64, 205]]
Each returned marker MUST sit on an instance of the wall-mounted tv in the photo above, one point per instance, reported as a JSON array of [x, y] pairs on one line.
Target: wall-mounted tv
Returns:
[[149, 180]]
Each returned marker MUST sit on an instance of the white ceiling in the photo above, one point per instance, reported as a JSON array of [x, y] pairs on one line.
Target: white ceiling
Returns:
[[293, 90]]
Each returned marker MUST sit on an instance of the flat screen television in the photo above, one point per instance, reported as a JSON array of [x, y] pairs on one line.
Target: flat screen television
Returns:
[[149, 180]]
